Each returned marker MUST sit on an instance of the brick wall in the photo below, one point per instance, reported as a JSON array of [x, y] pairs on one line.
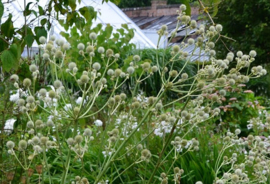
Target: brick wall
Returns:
[[158, 8]]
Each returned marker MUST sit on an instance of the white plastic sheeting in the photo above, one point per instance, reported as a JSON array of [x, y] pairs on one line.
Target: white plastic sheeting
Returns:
[[108, 13]]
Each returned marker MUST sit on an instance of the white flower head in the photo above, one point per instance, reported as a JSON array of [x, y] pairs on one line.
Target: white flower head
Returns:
[[98, 122], [9, 125]]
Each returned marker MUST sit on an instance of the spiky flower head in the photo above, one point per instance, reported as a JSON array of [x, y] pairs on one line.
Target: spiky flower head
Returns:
[[93, 36], [87, 132], [42, 40], [109, 53], [176, 48], [219, 28], [78, 139], [10, 144], [22, 145], [96, 66], [130, 70], [57, 84], [27, 82], [33, 68], [30, 124], [30, 99], [89, 48], [154, 69], [52, 94], [136, 58], [101, 50], [58, 54], [80, 46], [190, 41]]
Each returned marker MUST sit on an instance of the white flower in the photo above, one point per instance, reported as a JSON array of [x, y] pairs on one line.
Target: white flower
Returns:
[[79, 100], [249, 126], [68, 107], [14, 97], [98, 122], [9, 125]]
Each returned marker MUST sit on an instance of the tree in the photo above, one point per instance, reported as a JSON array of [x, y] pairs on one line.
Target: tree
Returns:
[[247, 22]]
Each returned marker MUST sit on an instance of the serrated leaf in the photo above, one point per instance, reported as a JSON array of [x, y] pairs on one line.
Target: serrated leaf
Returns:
[[10, 58]]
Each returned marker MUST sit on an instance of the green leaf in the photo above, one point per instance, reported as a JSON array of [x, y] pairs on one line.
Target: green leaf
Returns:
[[10, 58], [72, 4], [43, 21], [7, 28], [108, 31], [1, 9], [3, 44], [40, 10], [88, 12], [26, 11], [40, 31], [29, 39]]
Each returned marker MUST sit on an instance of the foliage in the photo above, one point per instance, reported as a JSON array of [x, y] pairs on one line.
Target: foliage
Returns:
[[90, 130], [247, 22], [15, 39]]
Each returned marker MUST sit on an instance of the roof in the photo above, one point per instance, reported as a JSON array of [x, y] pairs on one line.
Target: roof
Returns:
[[150, 26]]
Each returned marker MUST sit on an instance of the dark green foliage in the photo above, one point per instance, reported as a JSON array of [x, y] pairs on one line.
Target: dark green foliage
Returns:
[[247, 21]]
